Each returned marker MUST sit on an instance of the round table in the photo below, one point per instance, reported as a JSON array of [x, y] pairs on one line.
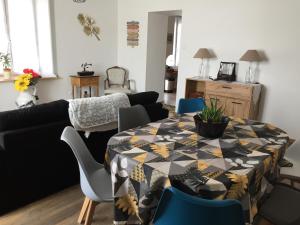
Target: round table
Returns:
[[144, 160]]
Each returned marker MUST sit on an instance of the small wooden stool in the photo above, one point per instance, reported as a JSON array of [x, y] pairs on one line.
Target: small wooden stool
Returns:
[[84, 81]]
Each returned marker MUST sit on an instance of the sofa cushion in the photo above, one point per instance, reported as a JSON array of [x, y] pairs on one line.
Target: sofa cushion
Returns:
[[36, 115], [143, 98], [156, 111]]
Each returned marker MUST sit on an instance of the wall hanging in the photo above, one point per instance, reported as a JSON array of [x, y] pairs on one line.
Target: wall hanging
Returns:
[[89, 25], [133, 28]]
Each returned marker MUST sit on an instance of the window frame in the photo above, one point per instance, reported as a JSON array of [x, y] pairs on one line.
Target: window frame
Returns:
[[52, 41]]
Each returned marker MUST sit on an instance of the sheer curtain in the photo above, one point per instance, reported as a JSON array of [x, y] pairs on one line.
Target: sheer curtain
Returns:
[[4, 43], [29, 30]]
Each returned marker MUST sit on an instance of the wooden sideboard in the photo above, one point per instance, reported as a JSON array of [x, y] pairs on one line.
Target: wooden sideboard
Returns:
[[238, 99]]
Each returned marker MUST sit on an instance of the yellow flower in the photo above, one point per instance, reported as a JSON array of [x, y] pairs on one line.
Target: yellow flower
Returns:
[[22, 83], [25, 77]]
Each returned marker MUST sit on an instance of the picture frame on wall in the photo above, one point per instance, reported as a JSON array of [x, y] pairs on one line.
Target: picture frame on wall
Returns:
[[133, 29], [227, 71]]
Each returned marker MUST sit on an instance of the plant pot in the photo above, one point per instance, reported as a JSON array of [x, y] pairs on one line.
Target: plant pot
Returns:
[[6, 73], [209, 129]]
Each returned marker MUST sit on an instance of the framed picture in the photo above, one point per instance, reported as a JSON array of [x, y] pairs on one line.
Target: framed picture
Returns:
[[227, 71], [133, 29]]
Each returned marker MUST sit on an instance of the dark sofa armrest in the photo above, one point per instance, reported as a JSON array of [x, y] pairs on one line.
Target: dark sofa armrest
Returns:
[[156, 112]]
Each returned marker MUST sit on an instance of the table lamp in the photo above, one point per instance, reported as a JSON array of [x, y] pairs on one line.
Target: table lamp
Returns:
[[251, 56], [202, 54]]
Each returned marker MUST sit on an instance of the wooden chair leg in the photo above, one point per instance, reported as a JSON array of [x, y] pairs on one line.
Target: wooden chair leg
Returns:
[[90, 213], [83, 211]]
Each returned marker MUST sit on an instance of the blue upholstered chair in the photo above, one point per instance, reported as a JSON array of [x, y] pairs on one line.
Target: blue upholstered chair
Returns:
[[190, 105], [178, 208]]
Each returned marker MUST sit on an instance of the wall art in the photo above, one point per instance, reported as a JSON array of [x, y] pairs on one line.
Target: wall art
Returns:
[[133, 28], [89, 25]]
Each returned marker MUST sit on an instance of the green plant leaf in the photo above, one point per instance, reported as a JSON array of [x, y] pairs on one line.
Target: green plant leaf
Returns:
[[212, 113]]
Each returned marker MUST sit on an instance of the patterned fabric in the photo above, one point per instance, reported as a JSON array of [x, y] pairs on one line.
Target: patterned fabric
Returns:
[[145, 160], [97, 113]]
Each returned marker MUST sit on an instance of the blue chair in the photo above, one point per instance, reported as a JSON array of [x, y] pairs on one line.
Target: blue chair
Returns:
[[178, 208], [190, 105]]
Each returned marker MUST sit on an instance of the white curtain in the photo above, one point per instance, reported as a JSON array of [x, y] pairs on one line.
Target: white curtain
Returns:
[[29, 29], [4, 43]]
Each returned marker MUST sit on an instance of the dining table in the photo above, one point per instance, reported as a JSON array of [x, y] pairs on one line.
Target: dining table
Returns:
[[145, 160]]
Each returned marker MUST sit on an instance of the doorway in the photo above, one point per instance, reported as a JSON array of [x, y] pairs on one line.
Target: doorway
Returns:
[[163, 51]]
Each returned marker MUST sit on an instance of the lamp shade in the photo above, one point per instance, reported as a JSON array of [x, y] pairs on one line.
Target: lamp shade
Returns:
[[251, 56], [202, 53]]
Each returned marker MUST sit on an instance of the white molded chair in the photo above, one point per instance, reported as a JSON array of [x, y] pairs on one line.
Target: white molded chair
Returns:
[[117, 81], [95, 182]]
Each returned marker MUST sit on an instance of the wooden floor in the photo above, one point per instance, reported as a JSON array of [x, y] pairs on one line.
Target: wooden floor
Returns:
[[62, 209]]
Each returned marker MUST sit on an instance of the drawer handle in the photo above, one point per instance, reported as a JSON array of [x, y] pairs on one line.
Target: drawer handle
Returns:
[[226, 87], [237, 103]]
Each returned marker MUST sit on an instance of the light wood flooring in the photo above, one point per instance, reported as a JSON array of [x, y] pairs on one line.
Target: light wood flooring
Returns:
[[59, 209], [62, 209]]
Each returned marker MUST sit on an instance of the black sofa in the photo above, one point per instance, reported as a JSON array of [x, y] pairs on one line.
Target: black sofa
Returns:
[[34, 162]]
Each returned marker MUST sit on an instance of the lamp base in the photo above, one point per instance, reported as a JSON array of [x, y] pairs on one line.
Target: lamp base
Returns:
[[250, 74]]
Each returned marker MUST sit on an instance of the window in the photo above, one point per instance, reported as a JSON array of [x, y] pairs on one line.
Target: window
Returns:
[[25, 32]]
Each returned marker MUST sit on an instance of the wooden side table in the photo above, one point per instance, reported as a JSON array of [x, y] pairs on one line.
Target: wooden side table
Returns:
[[84, 81]]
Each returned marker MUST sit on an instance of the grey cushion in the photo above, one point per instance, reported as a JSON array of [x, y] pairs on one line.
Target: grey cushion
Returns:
[[282, 207]]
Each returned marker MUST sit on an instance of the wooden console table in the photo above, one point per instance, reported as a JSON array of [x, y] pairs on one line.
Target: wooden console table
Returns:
[[238, 99], [84, 81]]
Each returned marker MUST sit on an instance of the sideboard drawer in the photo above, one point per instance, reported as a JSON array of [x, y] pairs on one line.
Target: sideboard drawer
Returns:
[[230, 90], [92, 81], [237, 108]]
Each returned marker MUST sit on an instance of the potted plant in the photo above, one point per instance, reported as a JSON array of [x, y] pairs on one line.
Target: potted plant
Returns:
[[6, 63], [211, 122]]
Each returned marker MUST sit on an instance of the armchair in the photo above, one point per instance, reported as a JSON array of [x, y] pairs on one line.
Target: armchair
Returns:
[[117, 81]]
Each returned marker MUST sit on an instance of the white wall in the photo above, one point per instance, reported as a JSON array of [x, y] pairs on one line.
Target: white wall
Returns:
[[156, 53], [73, 47], [229, 28]]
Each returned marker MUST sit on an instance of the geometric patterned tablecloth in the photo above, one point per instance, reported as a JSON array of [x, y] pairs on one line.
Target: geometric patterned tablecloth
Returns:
[[145, 160]]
